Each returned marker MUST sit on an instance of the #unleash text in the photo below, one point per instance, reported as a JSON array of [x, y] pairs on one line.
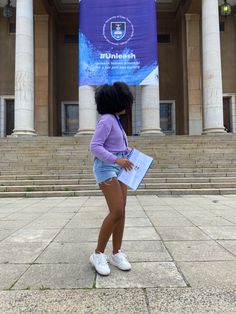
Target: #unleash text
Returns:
[[116, 56]]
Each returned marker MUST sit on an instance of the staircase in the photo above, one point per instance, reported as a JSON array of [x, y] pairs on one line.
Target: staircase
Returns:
[[50, 166]]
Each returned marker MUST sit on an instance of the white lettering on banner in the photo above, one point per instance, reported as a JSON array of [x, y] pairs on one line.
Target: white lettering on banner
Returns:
[[117, 56]]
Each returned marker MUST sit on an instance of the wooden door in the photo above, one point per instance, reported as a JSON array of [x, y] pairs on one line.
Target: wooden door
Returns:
[[10, 116], [126, 120], [227, 113]]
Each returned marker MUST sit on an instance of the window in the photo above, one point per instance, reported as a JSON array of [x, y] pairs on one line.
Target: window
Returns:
[[163, 38], [167, 116], [71, 39], [69, 118], [222, 26], [12, 28]]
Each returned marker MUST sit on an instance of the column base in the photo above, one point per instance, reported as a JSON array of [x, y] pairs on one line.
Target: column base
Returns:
[[18, 133], [84, 132], [215, 131], [155, 132]]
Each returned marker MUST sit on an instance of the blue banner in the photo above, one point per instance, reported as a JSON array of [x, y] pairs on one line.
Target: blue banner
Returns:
[[118, 42]]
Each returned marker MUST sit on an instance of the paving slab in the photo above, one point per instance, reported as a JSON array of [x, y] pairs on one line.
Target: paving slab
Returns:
[[143, 275], [210, 221], [163, 213], [65, 209], [6, 209], [20, 252], [67, 252], [192, 300], [198, 251], [83, 223], [224, 212], [9, 274], [182, 233], [229, 245], [231, 219], [77, 235], [188, 213], [188, 207], [56, 276], [98, 201], [206, 274], [12, 224], [58, 216], [3, 215], [32, 235], [220, 232], [170, 221], [146, 251], [98, 209], [37, 209], [4, 233], [150, 200], [47, 224], [27, 217], [82, 215], [140, 233], [157, 208], [89, 301]]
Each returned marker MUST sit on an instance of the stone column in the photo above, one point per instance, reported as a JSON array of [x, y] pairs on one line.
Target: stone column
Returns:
[[24, 69], [194, 75], [87, 111], [150, 110], [212, 77], [41, 74]]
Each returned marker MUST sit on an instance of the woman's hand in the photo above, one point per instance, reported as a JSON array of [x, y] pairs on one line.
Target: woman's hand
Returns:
[[124, 163]]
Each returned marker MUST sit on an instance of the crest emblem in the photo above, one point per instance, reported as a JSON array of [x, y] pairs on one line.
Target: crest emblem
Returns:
[[118, 30]]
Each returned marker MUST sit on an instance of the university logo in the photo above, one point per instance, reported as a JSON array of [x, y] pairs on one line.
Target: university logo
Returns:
[[118, 30]]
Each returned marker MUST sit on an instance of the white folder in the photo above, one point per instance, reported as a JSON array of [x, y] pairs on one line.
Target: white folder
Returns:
[[134, 177]]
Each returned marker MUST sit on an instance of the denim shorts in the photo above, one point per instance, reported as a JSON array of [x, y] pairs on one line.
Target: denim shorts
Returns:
[[104, 171]]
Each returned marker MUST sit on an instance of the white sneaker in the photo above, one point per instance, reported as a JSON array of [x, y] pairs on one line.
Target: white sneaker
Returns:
[[119, 260], [99, 261]]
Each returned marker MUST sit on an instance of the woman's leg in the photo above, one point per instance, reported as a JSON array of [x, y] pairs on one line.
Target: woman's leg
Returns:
[[118, 231], [114, 198]]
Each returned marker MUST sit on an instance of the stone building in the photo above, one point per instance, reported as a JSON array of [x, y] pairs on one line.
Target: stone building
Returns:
[[39, 93]]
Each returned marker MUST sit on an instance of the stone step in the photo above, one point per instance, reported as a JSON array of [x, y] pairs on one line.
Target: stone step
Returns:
[[63, 166], [158, 167], [147, 186], [91, 181], [165, 173], [150, 175], [161, 192], [50, 160]]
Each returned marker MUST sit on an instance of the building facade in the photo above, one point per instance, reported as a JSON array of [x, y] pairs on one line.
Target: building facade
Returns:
[[39, 93]]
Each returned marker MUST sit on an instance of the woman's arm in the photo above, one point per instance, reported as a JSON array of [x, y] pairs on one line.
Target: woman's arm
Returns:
[[101, 133]]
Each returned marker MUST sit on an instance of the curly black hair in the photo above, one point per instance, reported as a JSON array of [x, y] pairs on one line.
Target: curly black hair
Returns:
[[113, 98]]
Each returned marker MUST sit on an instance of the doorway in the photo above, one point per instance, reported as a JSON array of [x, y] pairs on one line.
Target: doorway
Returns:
[[167, 117], [10, 108], [126, 121], [227, 114]]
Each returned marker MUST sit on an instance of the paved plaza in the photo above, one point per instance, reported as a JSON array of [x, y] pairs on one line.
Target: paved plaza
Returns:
[[182, 250]]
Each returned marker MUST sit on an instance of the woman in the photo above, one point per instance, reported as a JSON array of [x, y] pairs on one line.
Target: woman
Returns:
[[110, 148]]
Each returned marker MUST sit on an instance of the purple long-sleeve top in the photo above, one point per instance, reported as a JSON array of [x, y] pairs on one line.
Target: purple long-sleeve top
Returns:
[[108, 139]]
